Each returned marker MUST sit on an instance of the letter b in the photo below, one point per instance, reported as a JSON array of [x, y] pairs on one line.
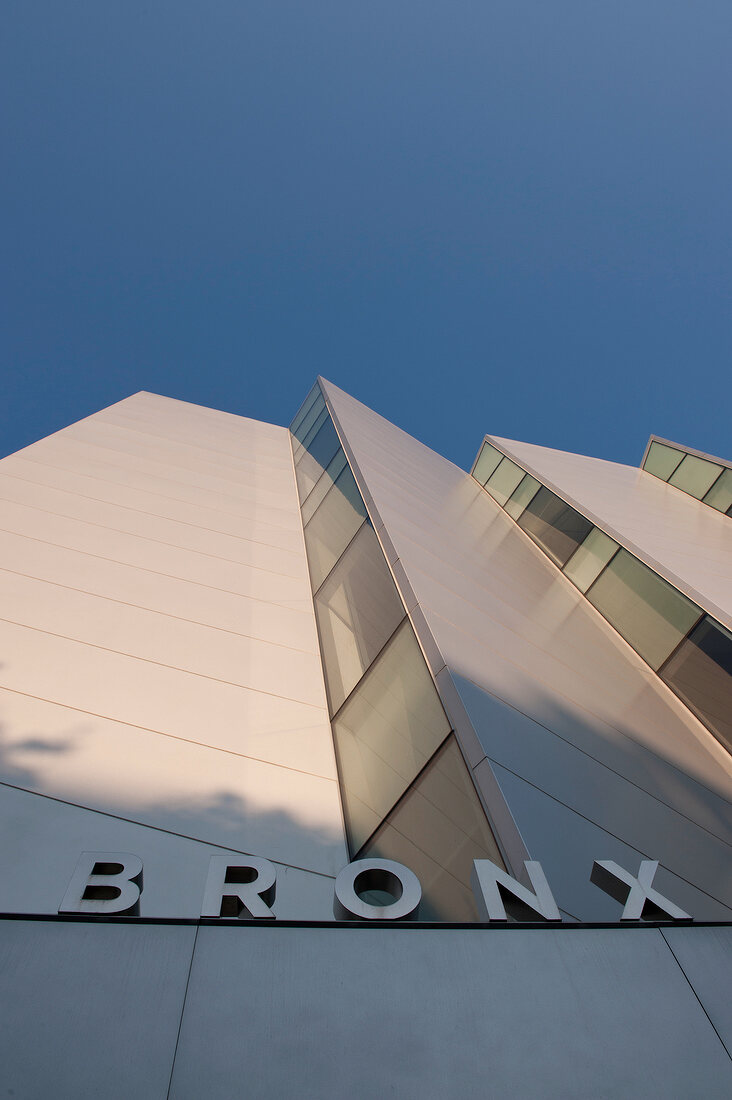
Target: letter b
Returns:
[[105, 883]]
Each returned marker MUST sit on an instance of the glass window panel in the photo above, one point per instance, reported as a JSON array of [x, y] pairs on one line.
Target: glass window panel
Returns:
[[525, 492], [487, 461], [662, 460], [322, 485], [314, 428], [310, 425], [305, 408], [333, 526], [695, 476], [316, 457], [385, 734], [504, 480], [357, 608], [590, 558], [700, 672], [650, 613], [720, 494], [437, 830], [557, 528]]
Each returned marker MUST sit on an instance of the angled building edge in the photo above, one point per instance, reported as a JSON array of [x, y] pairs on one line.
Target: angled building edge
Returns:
[[255, 679]]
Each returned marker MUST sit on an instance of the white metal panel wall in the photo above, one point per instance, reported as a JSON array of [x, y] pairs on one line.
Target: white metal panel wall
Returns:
[[159, 658], [489, 606]]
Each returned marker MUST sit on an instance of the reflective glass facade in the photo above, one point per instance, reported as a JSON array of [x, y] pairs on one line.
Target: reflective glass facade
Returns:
[[720, 494], [653, 616], [662, 460], [358, 609], [557, 528], [649, 612], [504, 480], [590, 558], [443, 805], [699, 476], [700, 672], [332, 525], [386, 732], [486, 463], [404, 784]]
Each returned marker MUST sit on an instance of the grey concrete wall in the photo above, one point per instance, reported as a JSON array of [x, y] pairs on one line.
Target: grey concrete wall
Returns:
[[151, 1011]]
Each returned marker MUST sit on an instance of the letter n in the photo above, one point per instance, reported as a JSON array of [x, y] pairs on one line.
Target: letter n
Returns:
[[495, 890]]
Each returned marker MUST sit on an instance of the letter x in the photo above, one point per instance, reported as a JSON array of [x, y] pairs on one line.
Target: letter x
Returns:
[[636, 893]]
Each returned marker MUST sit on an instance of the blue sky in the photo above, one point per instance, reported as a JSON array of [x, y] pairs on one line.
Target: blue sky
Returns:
[[506, 217]]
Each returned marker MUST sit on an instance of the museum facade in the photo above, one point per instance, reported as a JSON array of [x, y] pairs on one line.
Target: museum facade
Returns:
[[329, 768]]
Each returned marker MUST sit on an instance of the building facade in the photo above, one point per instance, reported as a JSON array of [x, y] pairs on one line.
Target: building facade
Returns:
[[240, 660]]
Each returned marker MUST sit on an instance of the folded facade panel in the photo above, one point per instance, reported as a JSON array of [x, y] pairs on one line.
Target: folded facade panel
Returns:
[[291, 684], [506, 621]]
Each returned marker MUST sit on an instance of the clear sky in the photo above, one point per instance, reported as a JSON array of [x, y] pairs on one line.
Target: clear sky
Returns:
[[474, 215]]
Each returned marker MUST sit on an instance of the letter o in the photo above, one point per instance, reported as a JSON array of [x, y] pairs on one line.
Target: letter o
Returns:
[[376, 874]]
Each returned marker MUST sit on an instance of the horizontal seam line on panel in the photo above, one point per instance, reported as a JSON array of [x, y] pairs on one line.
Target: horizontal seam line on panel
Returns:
[[149, 430], [586, 710], [156, 542], [116, 451], [609, 832], [99, 421], [162, 733], [162, 440], [602, 764], [157, 573], [142, 512], [152, 424], [163, 496], [162, 664], [154, 611], [155, 828], [235, 431]]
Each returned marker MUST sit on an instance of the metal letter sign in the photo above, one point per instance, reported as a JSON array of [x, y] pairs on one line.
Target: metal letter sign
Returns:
[[104, 883], [376, 874], [245, 888], [494, 888], [637, 893]]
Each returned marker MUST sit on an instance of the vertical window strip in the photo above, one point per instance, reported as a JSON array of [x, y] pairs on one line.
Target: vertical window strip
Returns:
[[387, 716], [700, 478], [665, 624]]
